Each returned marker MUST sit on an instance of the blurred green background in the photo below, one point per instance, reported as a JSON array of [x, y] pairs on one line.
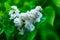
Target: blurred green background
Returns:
[[47, 29]]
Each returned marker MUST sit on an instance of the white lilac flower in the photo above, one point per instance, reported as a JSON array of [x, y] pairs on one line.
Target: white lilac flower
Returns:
[[11, 12], [29, 26], [12, 16], [14, 12], [38, 8], [27, 18], [17, 22], [38, 17], [21, 31], [35, 15], [23, 16], [17, 11], [13, 7]]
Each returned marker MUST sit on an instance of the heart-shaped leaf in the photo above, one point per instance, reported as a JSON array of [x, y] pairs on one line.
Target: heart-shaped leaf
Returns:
[[50, 13]]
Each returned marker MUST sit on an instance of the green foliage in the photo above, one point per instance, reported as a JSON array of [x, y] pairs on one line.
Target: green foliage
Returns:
[[47, 29]]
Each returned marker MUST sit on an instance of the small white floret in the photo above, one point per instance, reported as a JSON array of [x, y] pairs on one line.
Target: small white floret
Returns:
[[14, 7], [17, 22]]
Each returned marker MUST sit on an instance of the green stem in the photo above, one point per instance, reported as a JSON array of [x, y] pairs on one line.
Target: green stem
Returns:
[[43, 2]]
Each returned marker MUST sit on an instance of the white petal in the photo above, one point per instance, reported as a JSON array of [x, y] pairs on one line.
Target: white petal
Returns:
[[12, 16], [39, 17], [38, 8], [11, 12], [17, 22], [32, 27], [29, 26], [21, 32], [17, 11], [14, 7]]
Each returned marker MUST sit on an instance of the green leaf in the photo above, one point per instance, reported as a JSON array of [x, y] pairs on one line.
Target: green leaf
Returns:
[[7, 6], [8, 30], [56, 2], [16, 1], [1, 27], [43, 19], [1, 31], [56, 5], [27, 35], [1, 13], [32, 35], [50, 13], [49, 35]]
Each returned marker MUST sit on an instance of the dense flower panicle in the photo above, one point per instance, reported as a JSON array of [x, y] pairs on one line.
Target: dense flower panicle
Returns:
[[27, 19]]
